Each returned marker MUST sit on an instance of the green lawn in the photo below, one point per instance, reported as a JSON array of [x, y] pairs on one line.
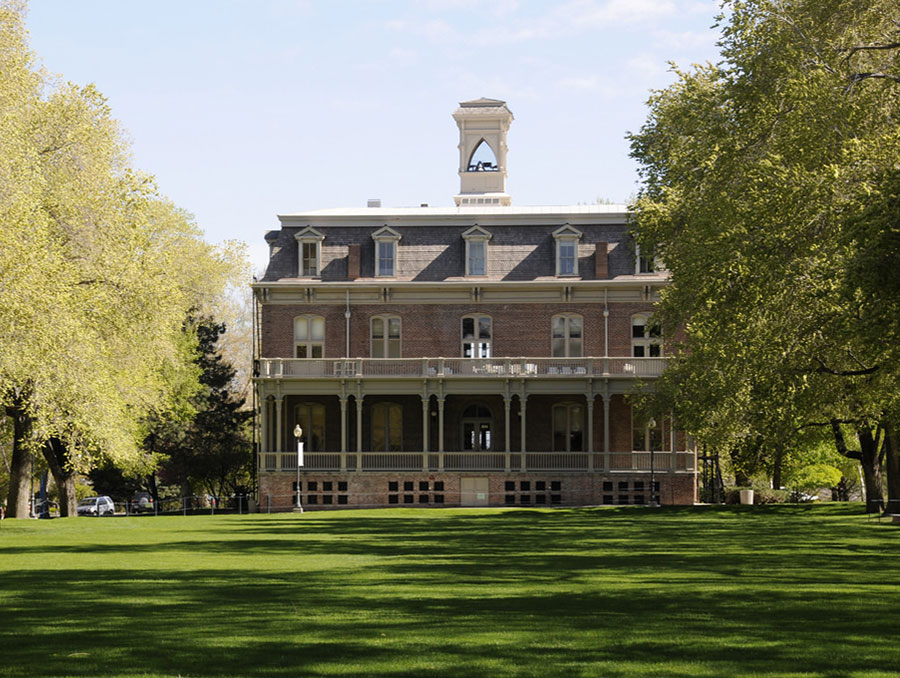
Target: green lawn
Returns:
[[767, 591]]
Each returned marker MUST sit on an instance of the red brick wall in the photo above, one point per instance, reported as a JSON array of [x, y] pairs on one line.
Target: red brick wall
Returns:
[[435, 330]]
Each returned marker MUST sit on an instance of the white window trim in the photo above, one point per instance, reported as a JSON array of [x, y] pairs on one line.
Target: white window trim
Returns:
[[385, 340], [656, 267], [475, 341], [309, 235], [567, 235], [309, 342], [567, 338], [392, 237], [476, 234], [646, 341]]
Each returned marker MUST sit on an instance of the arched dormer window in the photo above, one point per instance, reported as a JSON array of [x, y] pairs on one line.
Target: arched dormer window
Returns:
[[386, 240], [567, 335], [567, 250], [309, 336], [476, 250], [646, 337], [309, 252], [483, 158]]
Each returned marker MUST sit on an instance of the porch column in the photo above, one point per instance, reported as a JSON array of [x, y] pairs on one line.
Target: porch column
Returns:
[[606, 431], [359, 408], [589, 398], [507, 402], [264, 416], [673, 459], [441, 428], [523, 408], [424, 433], [343, 400], [425, 402], [279, 432]]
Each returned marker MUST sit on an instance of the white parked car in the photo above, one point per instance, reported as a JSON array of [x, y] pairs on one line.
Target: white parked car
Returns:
[[96, 506]]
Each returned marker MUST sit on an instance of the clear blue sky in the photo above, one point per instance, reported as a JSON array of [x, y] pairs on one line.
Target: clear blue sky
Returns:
[[244, 109]]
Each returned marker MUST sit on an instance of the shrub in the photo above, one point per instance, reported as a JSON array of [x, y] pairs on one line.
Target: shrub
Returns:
[[761, 495]]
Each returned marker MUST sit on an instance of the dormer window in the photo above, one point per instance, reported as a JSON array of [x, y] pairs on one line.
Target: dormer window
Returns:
[[646, 261], [309, 252], [476, 250], [567, 250], [386, 240]]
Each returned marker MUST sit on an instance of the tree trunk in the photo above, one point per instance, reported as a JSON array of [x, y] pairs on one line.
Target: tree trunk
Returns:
[[57, 457], [741, 479], [17, 502], [892, 468], [867, 455], [778, 463], [871, 467], [153, 489]]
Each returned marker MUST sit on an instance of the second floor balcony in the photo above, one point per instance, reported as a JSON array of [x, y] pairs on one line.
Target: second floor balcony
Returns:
[[457, 368]]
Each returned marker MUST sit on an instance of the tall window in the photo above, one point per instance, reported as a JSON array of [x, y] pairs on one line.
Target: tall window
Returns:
[[568, 427], [386, 240], [476, 428], [385, 341], [309, 336], [310, 258], [566, 339], [643, 436], [476, 250], [309, 243], [646, 338], [311, 417], [567, 250], [476, 337], [387, 427]]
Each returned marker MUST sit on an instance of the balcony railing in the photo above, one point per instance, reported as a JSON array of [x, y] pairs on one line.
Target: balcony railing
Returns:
[[455, 368], [537, 462]]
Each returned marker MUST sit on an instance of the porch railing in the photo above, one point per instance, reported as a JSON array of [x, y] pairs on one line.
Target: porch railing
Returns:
[[517, 462], [450, 368]]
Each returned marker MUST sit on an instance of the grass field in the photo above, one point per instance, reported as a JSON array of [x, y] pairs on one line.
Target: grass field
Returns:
[[803, 591]]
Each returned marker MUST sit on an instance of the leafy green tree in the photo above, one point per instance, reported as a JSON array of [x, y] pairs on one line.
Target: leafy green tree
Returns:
[[213, 450], [757, 173], [99, 272]]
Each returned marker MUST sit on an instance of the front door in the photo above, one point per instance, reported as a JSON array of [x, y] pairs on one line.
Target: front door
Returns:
[[473, 492]]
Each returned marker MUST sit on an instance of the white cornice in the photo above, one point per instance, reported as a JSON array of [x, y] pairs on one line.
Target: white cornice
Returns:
[[459, 216]]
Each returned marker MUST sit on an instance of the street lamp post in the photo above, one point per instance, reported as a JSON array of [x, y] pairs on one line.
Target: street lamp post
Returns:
[[298, 434], [652, 425]]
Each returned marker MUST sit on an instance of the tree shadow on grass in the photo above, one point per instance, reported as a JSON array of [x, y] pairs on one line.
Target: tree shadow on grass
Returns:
[[580, 593]]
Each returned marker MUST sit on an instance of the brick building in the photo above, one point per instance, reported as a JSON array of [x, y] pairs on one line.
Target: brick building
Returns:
[[479, 354]]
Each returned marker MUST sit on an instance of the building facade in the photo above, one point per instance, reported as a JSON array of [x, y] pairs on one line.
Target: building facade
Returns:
[[473, 355]]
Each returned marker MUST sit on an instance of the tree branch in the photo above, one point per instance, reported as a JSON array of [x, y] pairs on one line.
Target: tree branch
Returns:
[[841, 444], [859, 77], [861, 48]]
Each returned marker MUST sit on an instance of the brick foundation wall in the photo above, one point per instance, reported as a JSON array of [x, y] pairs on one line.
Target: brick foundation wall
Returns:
[[357, 490]]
